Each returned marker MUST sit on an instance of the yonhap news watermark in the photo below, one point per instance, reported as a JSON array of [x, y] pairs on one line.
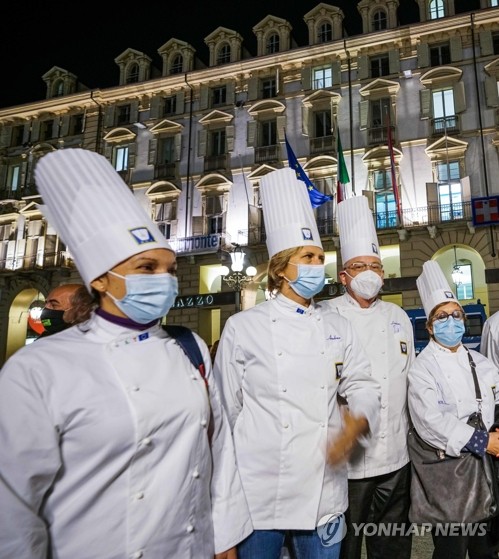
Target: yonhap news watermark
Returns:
[[332, 529]]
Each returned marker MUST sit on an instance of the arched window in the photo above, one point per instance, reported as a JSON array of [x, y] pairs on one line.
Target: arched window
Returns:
[[272, 44], [224, 54], [133, 73], [177, 65], [379, 20], [325, 32], [437, 9]]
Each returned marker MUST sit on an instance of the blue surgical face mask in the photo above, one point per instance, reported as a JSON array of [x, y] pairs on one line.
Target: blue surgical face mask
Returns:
[[309, 281], [450, 332], [148, 296]]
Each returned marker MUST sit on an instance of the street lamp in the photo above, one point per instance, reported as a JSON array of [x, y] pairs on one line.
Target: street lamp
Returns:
[[457, 273], [235, 277]]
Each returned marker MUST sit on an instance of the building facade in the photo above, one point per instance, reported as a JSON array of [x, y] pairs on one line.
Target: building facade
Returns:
[[416, 107]]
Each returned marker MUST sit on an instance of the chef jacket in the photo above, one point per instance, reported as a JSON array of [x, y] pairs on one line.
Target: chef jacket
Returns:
[[442, 395], [386, 334], [489, 344], [281, 367], [105, 454]]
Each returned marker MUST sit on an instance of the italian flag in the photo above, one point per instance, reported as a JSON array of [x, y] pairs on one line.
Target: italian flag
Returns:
[[343, 178]]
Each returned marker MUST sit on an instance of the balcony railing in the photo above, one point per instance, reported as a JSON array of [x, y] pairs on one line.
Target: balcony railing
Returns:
[[323, 144], [215, 162], [27, 263], [446, 125], [379, 135], [267, 153], [167, 171]]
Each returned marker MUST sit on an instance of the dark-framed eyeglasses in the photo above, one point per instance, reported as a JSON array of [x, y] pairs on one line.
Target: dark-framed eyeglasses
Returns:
[[358, 267], [443, 316]]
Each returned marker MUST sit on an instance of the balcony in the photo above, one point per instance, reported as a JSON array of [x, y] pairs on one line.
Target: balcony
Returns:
[[167, 171], [216, 163], [321, 145], [36, 262], [267, 153], [446, 125], [378, 135]]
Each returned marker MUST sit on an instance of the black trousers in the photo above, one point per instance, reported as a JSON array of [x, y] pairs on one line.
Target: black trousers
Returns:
[[380, 499], [479, 546]]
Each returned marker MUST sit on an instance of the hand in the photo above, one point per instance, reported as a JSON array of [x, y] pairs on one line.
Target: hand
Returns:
[[229, 554], [341, 448], [493, 444]]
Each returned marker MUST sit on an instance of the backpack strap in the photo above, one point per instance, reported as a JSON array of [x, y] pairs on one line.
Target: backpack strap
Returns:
[[186, 340]]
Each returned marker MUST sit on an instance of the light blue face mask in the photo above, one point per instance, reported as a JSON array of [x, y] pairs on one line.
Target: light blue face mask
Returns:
[[309, 281], [148, 296], [450, 332]]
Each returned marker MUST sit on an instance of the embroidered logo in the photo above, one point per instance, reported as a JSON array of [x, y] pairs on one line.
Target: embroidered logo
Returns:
[[339, 370], [449, 295], [375, 248], [403, 348], [307, 234], [142, 235]]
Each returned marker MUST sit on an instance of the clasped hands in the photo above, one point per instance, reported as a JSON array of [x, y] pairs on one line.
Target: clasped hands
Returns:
[[353, 427]]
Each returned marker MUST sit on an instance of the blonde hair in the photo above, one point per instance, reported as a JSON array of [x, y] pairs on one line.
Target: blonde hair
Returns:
[[277, 265]]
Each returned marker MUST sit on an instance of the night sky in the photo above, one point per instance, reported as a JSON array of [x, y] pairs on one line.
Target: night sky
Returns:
[[85, 38]]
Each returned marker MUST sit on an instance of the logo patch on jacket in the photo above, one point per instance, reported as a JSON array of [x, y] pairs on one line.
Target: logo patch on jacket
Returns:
[[403, 348], [339, 370]]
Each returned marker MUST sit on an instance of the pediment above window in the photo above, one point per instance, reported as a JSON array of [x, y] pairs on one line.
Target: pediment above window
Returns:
[[120, 135], [446, 147], [380, 157], [163, 190], [214, 182], [324, 15], [266, 28], [267, 106], [492, 68], [380, 88], [32, 207], [260, 172], [320, 96], [166, 126], [319, 162], [216, 117], [444, 75]]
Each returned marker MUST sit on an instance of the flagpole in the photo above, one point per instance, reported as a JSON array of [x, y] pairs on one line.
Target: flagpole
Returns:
[[350, 111]]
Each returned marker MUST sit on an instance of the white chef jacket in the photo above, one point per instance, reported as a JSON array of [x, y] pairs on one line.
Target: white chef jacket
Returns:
[[386, 334], [441, 395], [281, 367], [489, 344], [105, 454]]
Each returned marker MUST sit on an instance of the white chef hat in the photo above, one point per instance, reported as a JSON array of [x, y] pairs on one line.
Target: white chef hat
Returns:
[[356, 228], [433, 287], [93, 211], [287, 212]]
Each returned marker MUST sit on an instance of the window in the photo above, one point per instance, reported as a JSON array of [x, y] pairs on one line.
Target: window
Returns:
[[177, 65], [76, 123], [495, 42], [449, 191], [494, 3], [379, 20], [170, 105], [322, 77], [436, 9], [59, 88], [272, 44], [121, 158], [214, 214], [444, 114], [224, 54], [123, 115], [379, 112], [380, 66], [14, 178], [440, 54], [268, 133], [217, 140], [464, 289], [325, 33], [133, 73], [219, 96], [47, 130], [386, 207], [166, 150], [164, 214], [269, 88], [17, 136], [322, 123]]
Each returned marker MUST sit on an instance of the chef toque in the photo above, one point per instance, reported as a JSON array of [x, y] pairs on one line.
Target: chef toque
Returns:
[[93, 211], [287, 212], [433, 287], [356, 228]]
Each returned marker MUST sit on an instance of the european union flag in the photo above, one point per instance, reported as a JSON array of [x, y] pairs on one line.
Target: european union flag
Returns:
[[316, 197]]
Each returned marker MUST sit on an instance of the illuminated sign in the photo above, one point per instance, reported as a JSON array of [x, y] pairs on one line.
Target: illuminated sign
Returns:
[[199, 245], [205, 300]]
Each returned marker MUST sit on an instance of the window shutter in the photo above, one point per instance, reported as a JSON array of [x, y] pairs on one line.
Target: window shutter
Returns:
[[202, 139], [253, 89], [363, 114], [363, 67], [281, 128], [197, 225], [109, 118], [134, 112], [306, 77], [336, 71], [431, 194], [153, 148], [486, 44], [35, 131], [3, 176], [65, 125], [491, 94], [423, 51], [229, 134], [251, 134], [173, 228], [108, 152], [55, 128], [459, 97], [369, 194], [203, 97], [132, 148], [154, 107], [305, 124], [394, 61], [425, 102], [456, 49], [34, 228], [179, 103], [178, 146], [231, 97], [6, 136], [466, 189]]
